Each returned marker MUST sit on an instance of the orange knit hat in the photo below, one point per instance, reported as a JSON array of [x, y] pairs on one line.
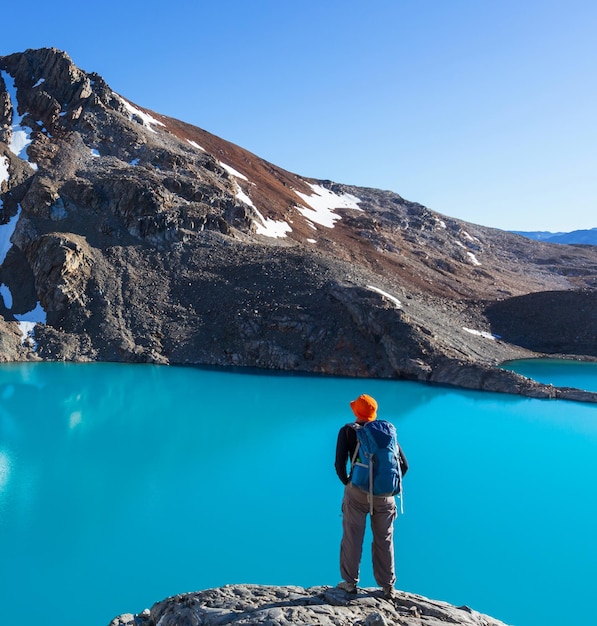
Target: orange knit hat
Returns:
[[365, 408]]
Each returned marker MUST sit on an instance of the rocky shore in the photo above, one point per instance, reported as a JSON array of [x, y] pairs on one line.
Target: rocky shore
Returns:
[[287, 606]]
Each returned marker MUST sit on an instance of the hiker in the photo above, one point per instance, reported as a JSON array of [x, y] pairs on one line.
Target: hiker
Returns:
[[359, 501]]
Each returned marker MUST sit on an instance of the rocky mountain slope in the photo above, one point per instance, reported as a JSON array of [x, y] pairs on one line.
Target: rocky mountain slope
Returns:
[[131, 236], [325, 606]]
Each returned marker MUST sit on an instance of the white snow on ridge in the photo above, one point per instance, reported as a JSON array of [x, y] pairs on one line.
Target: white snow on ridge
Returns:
[[21, 135], [473, 258], [21, 138], [39, 82], [480, 333], [27, 322], [391, 298], [6, 232], [323, 203], [469, 237], [196, 145], [243, 197], [144, 117], [264, 225], [271, 228], [27, 332], [233, 172], [4, 175]]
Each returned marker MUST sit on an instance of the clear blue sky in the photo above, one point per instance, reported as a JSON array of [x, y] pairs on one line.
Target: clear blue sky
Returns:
[[485, 110]]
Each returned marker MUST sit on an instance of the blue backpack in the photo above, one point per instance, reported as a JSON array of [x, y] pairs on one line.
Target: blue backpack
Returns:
[[376, 460]]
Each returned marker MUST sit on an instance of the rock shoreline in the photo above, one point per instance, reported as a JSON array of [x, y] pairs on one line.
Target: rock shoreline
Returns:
[[290, 605]]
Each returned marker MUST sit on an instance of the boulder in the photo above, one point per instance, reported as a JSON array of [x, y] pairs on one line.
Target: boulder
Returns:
[[284, 606]]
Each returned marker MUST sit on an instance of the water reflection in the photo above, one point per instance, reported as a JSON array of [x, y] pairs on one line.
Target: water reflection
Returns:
[[4, 469]]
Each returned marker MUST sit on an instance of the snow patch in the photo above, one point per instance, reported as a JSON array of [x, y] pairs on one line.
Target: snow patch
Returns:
[[264, 225], [469, 237], [391, 298], [27, 322], [473, 259], [233, 172], [21, 135], [271, 228], [323, 203], [95, 152], [134, 162], [28, 332], [243, 197], [4, 175], [196, 145], [480, 333], [39, 82], [146, 119], [20, 140], [312, 240], [6, 232]]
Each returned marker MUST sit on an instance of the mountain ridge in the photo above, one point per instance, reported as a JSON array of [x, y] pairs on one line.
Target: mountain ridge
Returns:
[[139, 237], [587, 236]]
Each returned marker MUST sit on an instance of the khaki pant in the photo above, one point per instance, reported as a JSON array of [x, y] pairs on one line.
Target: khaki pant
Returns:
[[355, 508]]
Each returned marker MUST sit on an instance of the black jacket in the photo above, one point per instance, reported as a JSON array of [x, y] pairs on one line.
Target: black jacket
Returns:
[[345, 447]]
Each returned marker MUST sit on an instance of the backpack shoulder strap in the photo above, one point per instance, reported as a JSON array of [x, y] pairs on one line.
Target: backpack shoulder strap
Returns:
[[356, 427]]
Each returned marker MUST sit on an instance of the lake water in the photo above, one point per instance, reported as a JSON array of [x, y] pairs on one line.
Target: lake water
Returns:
[[123, 484], [580, 374]]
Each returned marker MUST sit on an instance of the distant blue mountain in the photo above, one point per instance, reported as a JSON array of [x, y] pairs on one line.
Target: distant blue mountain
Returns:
[[576, 236]]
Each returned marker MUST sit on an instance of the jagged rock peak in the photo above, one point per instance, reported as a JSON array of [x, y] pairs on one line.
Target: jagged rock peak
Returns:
[[48, 83], [34, 67]]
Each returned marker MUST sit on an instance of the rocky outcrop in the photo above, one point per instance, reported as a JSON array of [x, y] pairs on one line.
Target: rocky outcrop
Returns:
[[142, 238], [554, 322], [284, 606]]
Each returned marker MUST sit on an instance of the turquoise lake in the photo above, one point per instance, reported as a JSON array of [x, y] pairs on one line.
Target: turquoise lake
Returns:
[[123, 484]]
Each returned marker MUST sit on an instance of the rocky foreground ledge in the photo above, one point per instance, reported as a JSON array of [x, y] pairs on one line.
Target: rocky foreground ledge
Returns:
[[284, 606]]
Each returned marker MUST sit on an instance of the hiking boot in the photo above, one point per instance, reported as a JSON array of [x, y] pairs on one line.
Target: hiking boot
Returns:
[[348, 587], [389, 593]]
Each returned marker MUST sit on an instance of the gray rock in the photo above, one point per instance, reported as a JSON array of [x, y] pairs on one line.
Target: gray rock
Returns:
[[287, 606]]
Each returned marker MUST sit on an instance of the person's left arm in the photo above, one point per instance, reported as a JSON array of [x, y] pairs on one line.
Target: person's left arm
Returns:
[[342, 456]]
